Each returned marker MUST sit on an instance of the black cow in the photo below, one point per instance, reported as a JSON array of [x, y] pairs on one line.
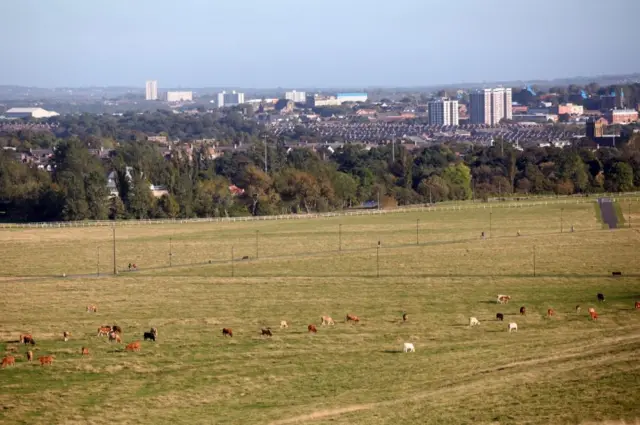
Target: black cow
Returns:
[[601, 297], [500, 316]]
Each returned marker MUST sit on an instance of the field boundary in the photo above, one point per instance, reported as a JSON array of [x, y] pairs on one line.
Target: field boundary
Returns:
[[406, 209]]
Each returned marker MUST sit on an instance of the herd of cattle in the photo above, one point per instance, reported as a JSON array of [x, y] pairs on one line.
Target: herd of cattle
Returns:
[[114, 333]]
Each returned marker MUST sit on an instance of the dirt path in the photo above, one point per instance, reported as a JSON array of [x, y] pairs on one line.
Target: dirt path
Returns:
[[608, 212]]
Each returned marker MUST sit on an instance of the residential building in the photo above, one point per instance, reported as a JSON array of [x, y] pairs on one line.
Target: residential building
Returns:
[[151, 90], [490, 106], [622, 116], [568, 108], [29, 113], [443, 112], [230, 99], [538, 118], [296, 96], [313, 101], [179, 96], [519, 109], [352, 97]]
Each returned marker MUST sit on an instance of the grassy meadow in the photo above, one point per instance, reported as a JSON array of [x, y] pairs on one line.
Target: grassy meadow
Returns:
[[561, 370]]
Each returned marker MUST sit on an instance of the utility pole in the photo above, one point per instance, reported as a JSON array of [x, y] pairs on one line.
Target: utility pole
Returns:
[[561, 224], [430, 201], [339, 237], [378, 260], [115, 269], [232, 265], [257, 244], [629, 214], [490, 225], [534, 261], [98, 268], [418, 231], [170, 251]]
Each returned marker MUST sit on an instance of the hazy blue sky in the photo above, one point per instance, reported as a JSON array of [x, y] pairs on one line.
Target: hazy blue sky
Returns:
[[312, 43]]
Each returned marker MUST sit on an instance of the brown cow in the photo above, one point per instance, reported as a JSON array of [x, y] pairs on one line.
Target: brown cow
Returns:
[[326, 320], [117, 329], [114, 336], [312, 328], [550, 312], [45, 360], [227, 331], [85, 351], [104, 330], [29, 355], [66, 335], [592, 310], [523, 310], [8, 361], [267, 332], [405, 317], [578, 309], [351, 317], [134, 346], [594, 315], [92, 308], [27, 339], [638, 305]]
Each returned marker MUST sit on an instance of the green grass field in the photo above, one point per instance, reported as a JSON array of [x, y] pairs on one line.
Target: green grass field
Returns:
[[561, 370]]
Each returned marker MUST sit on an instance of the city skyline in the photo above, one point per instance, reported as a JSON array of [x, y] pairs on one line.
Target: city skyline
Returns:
[[359, 57]]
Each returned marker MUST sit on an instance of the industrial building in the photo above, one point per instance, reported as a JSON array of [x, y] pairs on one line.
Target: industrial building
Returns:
[[29, 113], [352, 97], [179, 96]]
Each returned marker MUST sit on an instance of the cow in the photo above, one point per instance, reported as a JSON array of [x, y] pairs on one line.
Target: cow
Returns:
[[326, 320], [283, 324], [85, 351], [266, 331], [312, 328], [523, 310], [65, 336], [513, 326], [409, 348], [134, 346], [600, 297], [503, 299], [29, 355], [500, 317], [117, 329], [592, 310], [44, 360], [246, 257], [578, 309], [637, 305], [8, 361], [352, 318], [405, 317], [114, 336], [27, 339], [550, 312], [104, 330], [92, 308], [594, 315], [150, 335], [473, 321], [227, 331]]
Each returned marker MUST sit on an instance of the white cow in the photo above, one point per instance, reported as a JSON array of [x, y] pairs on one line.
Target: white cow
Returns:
[[473, 321], [409, 348], [283, 324], [513, 326]]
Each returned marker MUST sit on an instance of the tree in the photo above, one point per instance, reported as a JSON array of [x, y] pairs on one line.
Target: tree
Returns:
[[621, 178], [117, 210], [458, 177], [140, 200], [434, 189], [169, 206]]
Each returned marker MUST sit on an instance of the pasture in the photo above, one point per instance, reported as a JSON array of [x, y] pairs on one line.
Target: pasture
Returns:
[[566, 369]]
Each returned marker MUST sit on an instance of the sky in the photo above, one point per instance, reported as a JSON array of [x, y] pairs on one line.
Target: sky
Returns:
[[312, 43]]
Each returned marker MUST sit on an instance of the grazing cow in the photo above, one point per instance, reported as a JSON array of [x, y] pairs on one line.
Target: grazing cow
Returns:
[[29, 355], [550, 312], [523, 310], [92, 308], [578, 309], [246, 257], [227, 331], [405, 317], [637, 305], [113, 336], [473, 321], [601, 297], [85, 351], [104, 330], [117, 329], [312, 328], [8, 361], [513, 326], [503, 299], [409, 348], [150, 335], [134, 346], [283, 324], [266, 331], [592, 310], [326, 320], [352, 318], [66, 335], [500, 316], [45, 360], [594, 315], [27, 339]]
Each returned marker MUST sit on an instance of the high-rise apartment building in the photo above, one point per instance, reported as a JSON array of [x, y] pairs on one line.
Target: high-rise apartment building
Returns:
[[443, 112], [489, 106], [179, 96], [296, 96], [151, 90], [230, 99]]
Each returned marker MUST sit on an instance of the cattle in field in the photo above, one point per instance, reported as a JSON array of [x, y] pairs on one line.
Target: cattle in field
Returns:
[[409, 348], [266, 331], [594, 315], [117, 329], [134, 346], [227, 332], [114, 336], [513, 326], [503, 299], [601, 297], [352, 318], [637, 305], [473, 321], [326, 320], [45, 360], [29, 355], [92, 308], [500, 316], [523, 310], [246, 257], [283, 324], [150, 335], [104, 330], [85, 351], [578, 309], [27, 339], [550, 312], [592, 310], [8, 361], [65, 336], [405, 317], [312, 328]]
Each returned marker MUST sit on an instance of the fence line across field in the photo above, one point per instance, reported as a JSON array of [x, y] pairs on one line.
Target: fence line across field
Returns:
[[398, 210]]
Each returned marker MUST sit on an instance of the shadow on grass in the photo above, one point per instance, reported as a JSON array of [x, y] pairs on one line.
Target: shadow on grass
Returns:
[[392, 351]]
